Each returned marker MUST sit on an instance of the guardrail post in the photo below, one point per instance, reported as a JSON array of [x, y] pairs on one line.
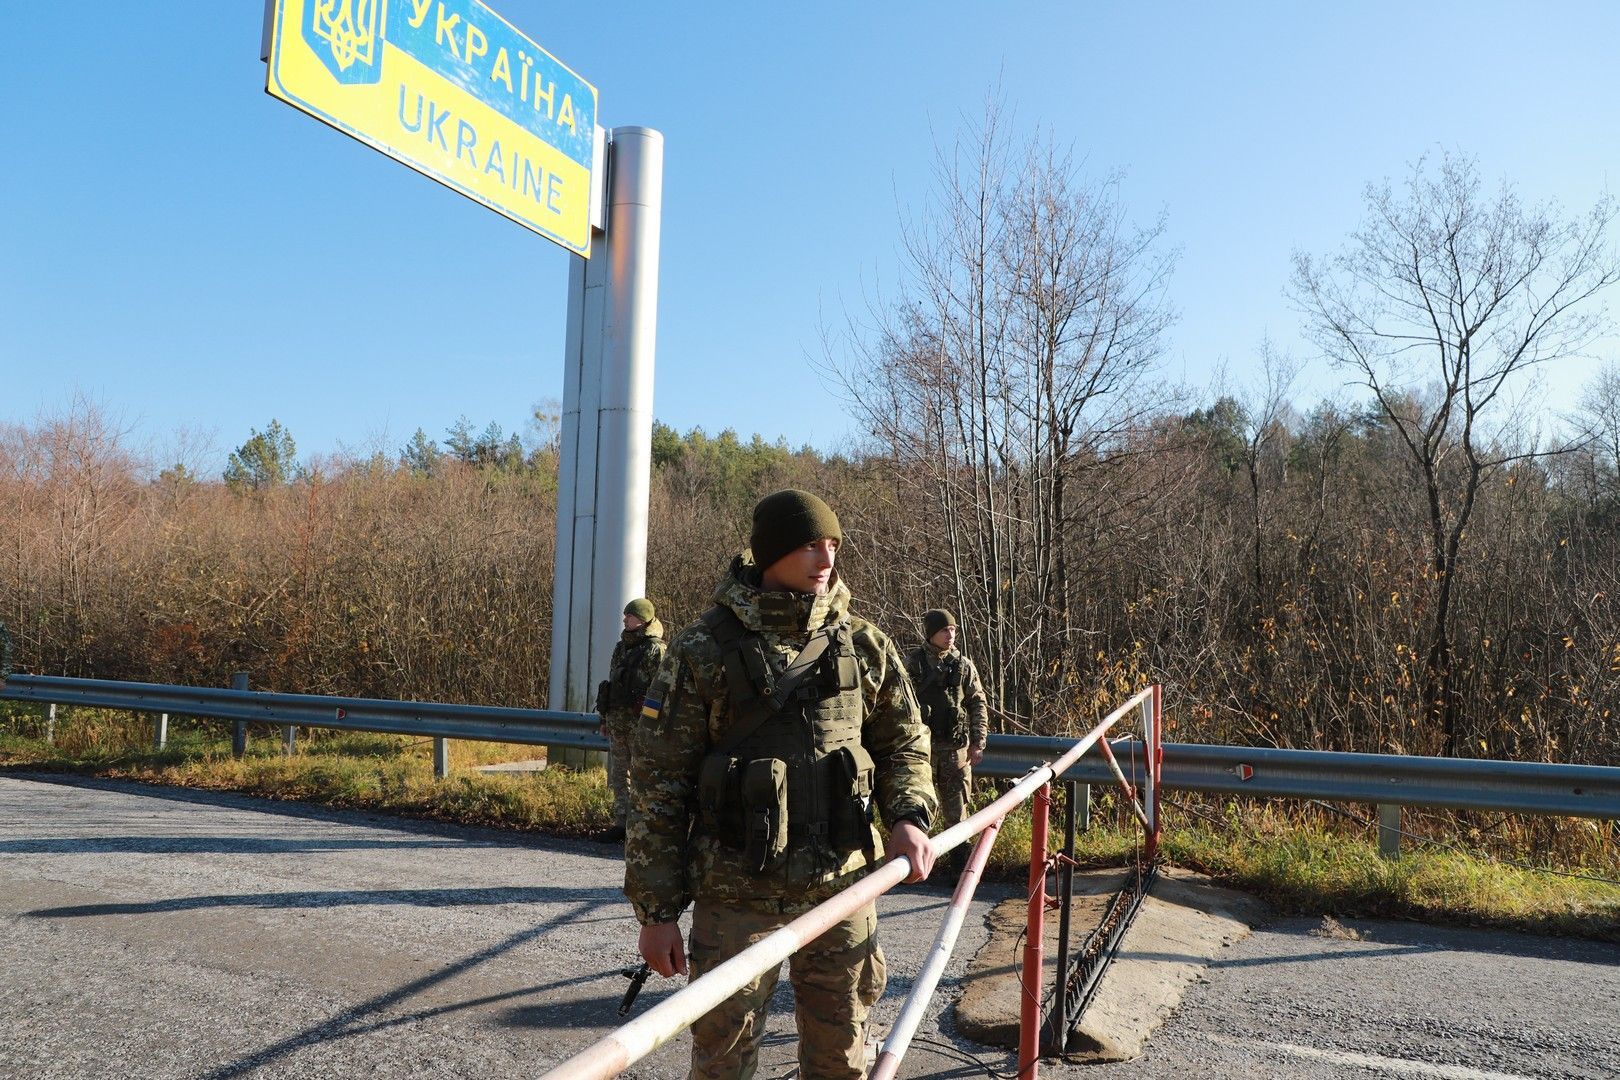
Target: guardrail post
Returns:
[[50, 724], [1389, 830], [239, 681], [441, 759], [160, 731], [1084, 824]]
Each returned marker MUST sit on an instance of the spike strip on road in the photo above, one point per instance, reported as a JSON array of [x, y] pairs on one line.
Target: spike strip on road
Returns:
[[611, 1055]]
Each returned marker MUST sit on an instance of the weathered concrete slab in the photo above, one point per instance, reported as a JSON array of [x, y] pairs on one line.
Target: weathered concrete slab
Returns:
[[1183, 924]]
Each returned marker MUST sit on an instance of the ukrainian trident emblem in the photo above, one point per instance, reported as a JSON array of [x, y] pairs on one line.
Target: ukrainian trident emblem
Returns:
[[347, 36]]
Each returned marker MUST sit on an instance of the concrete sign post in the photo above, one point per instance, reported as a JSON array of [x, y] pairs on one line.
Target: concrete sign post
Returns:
[[606, 460]]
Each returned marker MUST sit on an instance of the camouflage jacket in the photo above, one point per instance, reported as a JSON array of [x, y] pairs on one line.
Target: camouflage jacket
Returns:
[[921, 664], [636, 659], [669, 863]]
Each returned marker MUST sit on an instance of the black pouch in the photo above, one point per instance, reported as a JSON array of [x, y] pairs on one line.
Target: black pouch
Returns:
[[604, 697], [852, 776], [765, 817], [717, 786]]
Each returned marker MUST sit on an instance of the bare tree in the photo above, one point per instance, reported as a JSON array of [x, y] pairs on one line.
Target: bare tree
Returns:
[[1600, 415], [1011, 370], [1265, 407], [1441, 297]]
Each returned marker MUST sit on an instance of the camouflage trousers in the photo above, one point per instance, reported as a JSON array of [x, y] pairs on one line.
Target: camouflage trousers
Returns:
[[953, 783], [836, 980], [620, 732]]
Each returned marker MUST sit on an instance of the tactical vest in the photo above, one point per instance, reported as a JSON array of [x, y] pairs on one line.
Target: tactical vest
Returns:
[[789, 783], [624, 687], [940, 692]]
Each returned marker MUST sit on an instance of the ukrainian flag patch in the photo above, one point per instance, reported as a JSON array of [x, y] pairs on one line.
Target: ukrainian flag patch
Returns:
[[650, 707]]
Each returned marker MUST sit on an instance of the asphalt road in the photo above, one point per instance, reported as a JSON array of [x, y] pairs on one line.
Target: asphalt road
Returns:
[[161, 933]]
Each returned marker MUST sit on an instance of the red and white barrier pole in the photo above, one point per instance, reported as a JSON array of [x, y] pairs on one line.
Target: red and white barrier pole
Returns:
[[1155, 770], [1029, 1010], [911, 1013]]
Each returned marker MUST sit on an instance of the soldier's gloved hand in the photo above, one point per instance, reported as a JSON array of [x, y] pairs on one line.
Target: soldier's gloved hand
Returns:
[[662, 948], [907, 839]]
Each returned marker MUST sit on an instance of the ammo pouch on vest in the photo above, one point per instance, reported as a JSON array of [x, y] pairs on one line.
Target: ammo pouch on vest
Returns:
[[604, 697], [947, 726], [852, 772], [744, 803]]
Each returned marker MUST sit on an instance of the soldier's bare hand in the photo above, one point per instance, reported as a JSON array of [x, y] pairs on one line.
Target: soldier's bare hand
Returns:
[[975, 754], [909, 840], [662, 948]]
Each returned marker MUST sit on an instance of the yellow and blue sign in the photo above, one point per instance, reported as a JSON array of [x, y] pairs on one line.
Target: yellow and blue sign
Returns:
[[452, 90]]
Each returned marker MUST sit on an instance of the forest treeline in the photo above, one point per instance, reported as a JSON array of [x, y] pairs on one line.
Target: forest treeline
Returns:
[[1424, 566], [374, 579]]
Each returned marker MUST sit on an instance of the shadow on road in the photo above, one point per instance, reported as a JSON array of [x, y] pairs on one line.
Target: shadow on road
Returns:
[[204, 845], [591, 898], [366, 1017]]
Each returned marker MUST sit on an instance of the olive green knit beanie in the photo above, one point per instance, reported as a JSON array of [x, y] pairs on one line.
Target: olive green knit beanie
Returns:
[[790, 519], [936, 620], [641, 608]]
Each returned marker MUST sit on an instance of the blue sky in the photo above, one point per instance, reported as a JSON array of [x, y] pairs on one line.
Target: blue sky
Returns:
[[192, 254]]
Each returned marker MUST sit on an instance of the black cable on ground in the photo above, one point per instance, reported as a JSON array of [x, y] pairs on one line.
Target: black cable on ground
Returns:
[[966, 1056]]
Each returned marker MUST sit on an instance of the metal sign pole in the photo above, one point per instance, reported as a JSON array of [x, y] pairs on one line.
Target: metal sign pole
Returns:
[[604, 471]]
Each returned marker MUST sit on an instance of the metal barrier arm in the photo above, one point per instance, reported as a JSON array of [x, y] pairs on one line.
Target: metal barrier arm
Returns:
[[1126, 785], [613, 1054], [911, 1013]]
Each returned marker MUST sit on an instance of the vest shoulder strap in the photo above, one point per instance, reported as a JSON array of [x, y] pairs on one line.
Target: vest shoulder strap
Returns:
[[756, 696]]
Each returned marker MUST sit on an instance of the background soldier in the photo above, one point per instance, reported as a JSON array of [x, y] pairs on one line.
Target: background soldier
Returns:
[[618, 699], [780, 724], [953, 707]]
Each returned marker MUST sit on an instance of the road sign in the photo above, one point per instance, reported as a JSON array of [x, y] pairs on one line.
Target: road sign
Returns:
[[452, 90]]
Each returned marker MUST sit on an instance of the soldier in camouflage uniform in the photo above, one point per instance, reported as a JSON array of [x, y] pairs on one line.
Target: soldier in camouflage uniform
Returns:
[[953, 707], [777, 728], [618, 699]]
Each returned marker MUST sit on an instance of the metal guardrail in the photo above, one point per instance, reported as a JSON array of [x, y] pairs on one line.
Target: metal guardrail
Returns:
[[488, 723], [1452, 783], [1383, 779]]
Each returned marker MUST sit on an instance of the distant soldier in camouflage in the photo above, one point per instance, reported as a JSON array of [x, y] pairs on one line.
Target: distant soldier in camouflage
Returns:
[[953, 707], [778, 727], [636, 659]]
